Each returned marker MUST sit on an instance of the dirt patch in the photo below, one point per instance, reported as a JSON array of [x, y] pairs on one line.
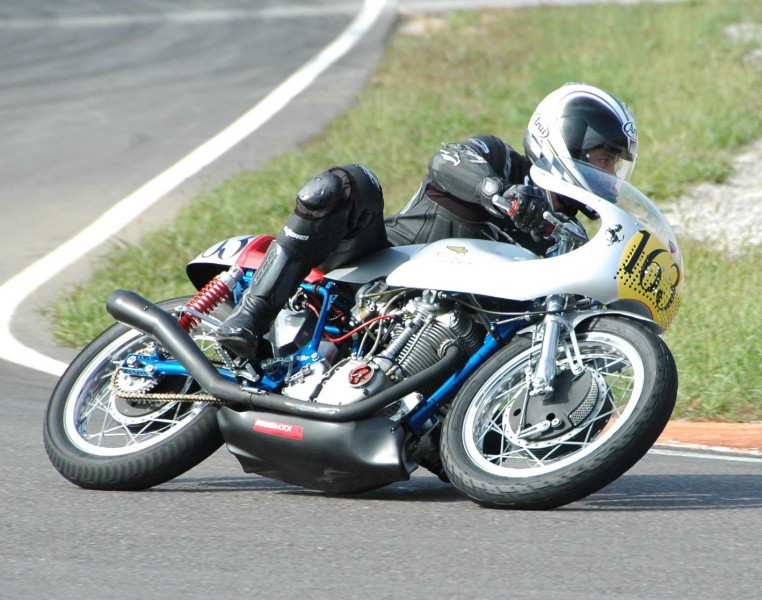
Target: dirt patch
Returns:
[[736, 437], [726, 215]]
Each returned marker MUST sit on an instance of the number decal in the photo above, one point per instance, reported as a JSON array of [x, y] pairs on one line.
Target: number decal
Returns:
[[638, 252], [652, 275]]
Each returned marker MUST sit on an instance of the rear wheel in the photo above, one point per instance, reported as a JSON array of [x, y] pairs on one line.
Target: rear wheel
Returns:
[[503, 449], [97, 437]]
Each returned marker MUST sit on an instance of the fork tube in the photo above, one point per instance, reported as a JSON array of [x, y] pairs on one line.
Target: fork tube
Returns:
[[542, 382]]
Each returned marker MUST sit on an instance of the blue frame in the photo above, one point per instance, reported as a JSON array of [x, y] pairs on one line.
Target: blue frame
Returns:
[[419, 421]]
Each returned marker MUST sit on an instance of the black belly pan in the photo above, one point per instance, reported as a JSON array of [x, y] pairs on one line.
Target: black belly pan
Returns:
[[333, 457]]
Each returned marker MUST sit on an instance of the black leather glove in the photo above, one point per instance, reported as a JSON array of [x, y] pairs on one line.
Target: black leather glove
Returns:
[[489, 187], [529, 205]]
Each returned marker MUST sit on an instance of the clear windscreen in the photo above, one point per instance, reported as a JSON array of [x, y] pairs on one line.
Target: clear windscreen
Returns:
[[579, 180]]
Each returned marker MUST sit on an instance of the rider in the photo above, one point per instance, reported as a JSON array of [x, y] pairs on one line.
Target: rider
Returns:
[[339, 213]]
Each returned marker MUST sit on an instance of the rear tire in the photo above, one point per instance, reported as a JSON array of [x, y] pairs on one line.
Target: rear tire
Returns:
[[98, 441], [634, 379]]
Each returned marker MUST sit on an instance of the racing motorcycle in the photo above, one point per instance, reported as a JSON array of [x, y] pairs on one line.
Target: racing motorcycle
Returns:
[[528, 382]]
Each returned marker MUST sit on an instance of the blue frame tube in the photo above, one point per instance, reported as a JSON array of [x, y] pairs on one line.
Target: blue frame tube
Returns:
[[328, 300], [420, 418], [172, 367]]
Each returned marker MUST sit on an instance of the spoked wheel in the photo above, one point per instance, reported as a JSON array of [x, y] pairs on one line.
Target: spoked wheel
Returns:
[[99, 437], [505, 449]]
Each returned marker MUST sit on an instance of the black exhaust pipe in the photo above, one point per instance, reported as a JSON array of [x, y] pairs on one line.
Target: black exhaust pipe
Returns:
[[135, 311]]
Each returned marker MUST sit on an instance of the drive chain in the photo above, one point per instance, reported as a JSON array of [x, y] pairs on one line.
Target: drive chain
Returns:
[[149, 398]]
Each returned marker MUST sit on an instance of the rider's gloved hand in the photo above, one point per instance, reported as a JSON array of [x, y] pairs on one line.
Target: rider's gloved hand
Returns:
[[489, 187], [529, 203]]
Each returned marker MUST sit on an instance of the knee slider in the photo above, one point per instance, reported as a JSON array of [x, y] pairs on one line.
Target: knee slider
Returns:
[[320, 195]]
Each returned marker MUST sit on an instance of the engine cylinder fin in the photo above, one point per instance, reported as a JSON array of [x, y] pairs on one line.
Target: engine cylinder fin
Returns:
[[425, 348]]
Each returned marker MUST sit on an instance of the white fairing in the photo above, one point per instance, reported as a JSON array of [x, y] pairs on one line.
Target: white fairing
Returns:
[[506, 271], [489, 268]]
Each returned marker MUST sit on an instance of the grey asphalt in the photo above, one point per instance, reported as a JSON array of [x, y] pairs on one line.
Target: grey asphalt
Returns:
[[90, 115], [97, 101]]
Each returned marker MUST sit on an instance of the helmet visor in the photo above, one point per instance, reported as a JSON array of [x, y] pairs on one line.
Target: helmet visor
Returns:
[[595, 133], [611, 158]]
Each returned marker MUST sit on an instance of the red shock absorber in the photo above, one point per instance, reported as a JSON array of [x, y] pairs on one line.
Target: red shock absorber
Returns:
[[210, 296]]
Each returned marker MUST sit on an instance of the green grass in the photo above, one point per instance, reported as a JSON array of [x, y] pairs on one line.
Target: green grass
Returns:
[[695, 97], [717, 338]]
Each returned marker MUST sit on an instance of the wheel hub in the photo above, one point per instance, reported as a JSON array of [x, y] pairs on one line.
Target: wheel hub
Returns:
[[574, 399], [132, 384], [127, 412]]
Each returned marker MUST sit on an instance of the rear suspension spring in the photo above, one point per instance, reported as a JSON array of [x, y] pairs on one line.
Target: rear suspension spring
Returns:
[[211, 296]]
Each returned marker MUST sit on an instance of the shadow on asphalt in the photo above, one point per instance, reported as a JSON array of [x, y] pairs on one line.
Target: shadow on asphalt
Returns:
[[417, 489], [676, 492], [629, 493]]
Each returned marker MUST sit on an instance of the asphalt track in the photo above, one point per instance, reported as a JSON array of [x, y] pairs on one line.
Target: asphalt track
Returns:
[[91, 114]]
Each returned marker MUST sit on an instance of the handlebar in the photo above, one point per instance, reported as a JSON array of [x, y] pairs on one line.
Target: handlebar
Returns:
[[509, 207], [568, 234]]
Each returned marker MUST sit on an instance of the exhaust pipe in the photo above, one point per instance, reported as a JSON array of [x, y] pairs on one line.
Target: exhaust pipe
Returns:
[[135, 311]]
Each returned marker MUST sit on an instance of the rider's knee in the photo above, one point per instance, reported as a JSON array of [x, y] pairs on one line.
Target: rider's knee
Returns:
[[321, 195], [339, 187]]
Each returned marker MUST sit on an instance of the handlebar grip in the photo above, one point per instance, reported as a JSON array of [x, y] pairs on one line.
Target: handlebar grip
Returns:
[[508, 206]]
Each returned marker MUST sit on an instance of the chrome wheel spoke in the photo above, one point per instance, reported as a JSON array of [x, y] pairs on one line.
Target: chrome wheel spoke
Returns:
[[100, 423], [494, 441]]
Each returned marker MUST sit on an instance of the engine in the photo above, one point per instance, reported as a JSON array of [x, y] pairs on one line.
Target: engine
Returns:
[[406, 337]]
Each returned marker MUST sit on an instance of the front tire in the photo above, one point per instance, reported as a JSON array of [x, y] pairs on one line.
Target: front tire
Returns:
[[632, 378], [98, 441]]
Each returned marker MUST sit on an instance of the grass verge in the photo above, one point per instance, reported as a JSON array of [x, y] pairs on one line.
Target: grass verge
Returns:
[[694, 91]]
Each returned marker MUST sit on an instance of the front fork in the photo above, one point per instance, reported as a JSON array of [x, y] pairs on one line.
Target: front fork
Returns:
[[550, 333]]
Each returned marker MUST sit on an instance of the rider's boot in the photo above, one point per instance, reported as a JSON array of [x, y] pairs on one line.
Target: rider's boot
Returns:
[[324, 214], [282, 270]]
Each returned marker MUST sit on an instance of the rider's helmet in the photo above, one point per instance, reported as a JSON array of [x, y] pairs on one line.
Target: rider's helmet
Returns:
[[580, 121]]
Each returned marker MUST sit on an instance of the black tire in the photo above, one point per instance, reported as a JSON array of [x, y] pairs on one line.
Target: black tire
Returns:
[[632, 383], [97, 441]]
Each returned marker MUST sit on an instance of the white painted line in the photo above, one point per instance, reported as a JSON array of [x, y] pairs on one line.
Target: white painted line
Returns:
[[725, 457], [15, 290]]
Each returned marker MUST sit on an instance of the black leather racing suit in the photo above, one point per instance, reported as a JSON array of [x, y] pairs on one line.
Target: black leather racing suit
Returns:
[[448, 204], [339, 219]]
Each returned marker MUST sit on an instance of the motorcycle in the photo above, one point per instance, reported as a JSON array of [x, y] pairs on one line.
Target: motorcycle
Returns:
[[527, 382]]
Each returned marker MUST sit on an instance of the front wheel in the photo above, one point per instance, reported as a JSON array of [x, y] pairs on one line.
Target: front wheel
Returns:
[[98, 438], [505, 449]]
